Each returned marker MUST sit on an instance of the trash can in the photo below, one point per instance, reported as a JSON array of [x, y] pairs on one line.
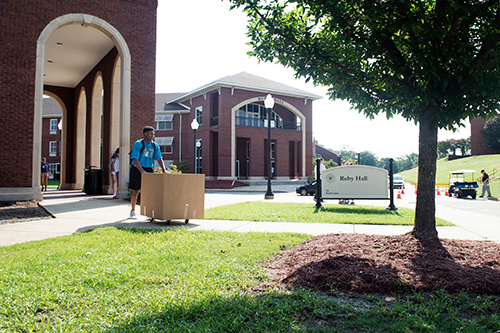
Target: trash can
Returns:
[[92, 181]]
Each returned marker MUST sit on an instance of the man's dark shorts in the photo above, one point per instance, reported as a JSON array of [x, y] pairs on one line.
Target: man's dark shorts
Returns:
[[135, 177]]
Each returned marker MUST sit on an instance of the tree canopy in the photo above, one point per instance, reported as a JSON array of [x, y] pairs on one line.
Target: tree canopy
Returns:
[[433, 62]]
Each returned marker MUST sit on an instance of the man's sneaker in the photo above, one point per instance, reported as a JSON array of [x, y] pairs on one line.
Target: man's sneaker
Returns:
[[132, 215]]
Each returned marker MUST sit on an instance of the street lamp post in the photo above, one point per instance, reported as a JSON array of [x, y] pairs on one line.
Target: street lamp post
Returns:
[[269, 104], [194, 127]]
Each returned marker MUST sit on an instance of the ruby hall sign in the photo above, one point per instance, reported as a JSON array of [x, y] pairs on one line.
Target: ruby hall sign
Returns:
[[355, 182]]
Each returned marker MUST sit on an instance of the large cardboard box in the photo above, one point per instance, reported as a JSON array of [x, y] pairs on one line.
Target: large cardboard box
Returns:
[[173, 196]]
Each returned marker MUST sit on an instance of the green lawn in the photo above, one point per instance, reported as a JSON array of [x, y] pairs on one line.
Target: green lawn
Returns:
[[305, 213], [117, 280], [477, 163]]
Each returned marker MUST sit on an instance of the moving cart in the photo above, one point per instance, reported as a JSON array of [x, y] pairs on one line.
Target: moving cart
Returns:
[[172, 196], [462, 184]]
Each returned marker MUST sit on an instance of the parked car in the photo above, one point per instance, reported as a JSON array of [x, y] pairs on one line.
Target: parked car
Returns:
[[307, 189], [398, 183]]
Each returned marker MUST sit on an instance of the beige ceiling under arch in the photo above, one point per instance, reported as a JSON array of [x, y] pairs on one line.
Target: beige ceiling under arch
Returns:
[[71, 52]]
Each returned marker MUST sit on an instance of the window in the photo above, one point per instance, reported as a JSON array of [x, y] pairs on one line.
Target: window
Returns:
[[273, 150], [166, 144], [256, 116], [55, 170], [199, 114], [164, 121], [53, 148], [53, 126]]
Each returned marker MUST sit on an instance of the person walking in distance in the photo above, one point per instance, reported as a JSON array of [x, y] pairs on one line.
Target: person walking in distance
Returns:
[[45, 173], [144, 152], [486, 184], [114, 169]]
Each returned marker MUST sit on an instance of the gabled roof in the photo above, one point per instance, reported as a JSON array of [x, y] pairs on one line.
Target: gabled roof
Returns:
[[162, 102], [51, 108], [247, 81]]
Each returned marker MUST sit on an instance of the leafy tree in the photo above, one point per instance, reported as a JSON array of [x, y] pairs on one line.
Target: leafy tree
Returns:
[[368, 158], [330, 164], [183, 165], [452, 145], [349, 156], [463, 145], [491, 133], [407, 162], [433, 62], [443, 148]]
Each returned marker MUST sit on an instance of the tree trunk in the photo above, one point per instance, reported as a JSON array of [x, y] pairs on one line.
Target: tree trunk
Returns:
[[425, 211]]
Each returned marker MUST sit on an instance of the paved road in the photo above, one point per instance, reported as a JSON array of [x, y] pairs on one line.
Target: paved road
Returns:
[[476, 219]]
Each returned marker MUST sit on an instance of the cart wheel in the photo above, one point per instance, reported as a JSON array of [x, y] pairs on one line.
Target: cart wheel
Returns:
[[473, 196], [168, 222], [151, 220], [186, 221]]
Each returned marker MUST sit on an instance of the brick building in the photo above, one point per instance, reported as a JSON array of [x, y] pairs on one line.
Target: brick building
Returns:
[[478, 146], [51, 136], [232, 134], [96, 59]]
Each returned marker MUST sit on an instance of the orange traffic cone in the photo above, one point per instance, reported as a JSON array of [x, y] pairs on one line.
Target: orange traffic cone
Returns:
[[403, 191], [437, 191], [446, 192], [399, 195], [415, 189]]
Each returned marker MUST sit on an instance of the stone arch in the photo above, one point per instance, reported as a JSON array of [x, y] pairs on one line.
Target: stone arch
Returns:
[[64, 112], [96, 121], [125, 84], [283, 103], [80, 136], [114, 135]]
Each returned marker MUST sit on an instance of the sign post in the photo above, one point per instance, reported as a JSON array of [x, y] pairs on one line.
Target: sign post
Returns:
[[318, 185], [391, 186]]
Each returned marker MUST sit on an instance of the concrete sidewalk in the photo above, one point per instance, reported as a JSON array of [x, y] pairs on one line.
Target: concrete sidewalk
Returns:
[[77, 212]]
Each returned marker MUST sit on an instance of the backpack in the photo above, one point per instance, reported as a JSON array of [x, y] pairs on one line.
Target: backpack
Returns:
[[142, 149]]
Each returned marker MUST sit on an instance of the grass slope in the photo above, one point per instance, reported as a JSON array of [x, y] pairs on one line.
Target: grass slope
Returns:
[[477, 163]]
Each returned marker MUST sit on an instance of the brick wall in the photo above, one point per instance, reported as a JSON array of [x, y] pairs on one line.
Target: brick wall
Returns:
[[21, 23], [476, 139], [256, 135]]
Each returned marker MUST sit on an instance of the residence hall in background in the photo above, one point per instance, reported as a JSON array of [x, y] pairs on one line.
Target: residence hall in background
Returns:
[[231, 141], [96, 59], [232, 134]]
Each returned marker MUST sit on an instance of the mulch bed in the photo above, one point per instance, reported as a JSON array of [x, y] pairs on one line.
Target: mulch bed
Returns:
[[388, 264], [22, 211]]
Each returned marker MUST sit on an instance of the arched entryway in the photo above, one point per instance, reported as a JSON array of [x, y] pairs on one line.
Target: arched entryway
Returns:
[[82, 140], [287, 106]]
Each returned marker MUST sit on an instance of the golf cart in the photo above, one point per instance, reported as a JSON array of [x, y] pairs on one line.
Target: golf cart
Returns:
[[459, 185]]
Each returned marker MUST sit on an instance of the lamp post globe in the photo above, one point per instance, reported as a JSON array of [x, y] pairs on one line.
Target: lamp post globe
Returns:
[[194, 127], [269, 104]]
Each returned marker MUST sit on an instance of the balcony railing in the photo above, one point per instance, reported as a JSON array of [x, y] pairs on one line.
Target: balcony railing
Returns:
[[279, 124]]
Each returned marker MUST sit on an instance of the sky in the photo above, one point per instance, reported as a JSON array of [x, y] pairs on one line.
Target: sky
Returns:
[[199, 41]]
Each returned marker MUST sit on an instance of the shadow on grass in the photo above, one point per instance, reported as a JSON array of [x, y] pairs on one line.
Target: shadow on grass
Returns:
[[357, 210], [291, 312]]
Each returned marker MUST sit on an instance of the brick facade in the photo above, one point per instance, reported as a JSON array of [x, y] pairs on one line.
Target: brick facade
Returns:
[[477, 142], [21, 24], [217, 137]]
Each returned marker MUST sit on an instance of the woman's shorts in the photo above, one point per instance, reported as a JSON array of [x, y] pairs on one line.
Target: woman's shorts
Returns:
[[135, 177], [45, 174]]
